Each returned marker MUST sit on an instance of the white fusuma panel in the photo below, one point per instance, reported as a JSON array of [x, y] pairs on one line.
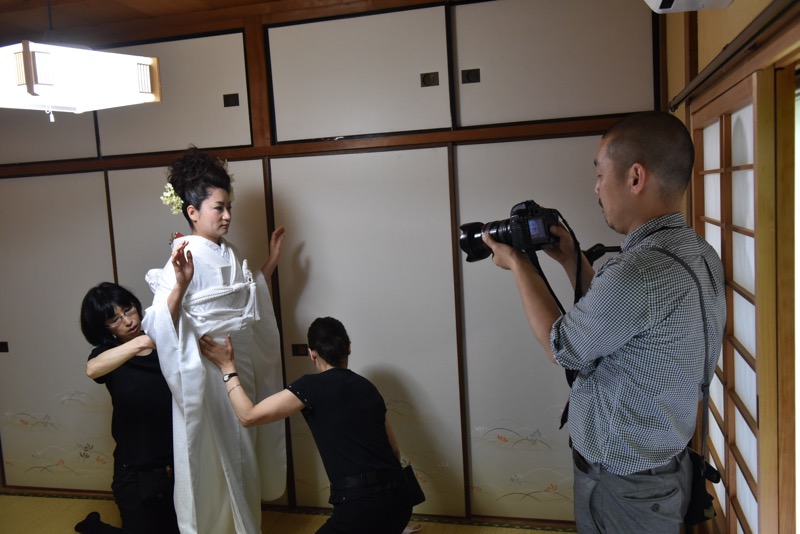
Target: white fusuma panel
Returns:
[[201, 80], [549, 59], [369, 241], [56, 422], [521, 464], [360, 75], [28, 135]]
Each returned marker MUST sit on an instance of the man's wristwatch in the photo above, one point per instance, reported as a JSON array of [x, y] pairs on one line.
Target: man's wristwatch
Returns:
[[228, 376]]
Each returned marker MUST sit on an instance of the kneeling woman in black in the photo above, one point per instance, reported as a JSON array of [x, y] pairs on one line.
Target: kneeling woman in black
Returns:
[[347, 417], [125, 360]]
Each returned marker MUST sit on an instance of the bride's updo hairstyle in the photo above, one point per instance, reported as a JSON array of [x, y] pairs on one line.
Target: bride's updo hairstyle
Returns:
[[328, 337], [194, 175]]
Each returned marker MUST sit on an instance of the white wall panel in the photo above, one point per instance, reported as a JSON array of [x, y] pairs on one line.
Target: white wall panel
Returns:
[[520, 461], [195, 74], [360, 75], [545, 59], [28, 135], [369, 242], [143, 225], [56, 422]]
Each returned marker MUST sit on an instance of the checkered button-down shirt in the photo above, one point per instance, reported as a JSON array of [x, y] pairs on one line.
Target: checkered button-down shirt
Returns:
[[638, 340]]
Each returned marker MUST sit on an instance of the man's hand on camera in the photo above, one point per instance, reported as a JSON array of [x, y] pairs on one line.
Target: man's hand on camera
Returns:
[[563, 251], [504, 256]]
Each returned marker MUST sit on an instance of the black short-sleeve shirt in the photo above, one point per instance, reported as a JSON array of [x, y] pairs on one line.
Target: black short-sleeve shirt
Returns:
[[141, 423], [347, 417]]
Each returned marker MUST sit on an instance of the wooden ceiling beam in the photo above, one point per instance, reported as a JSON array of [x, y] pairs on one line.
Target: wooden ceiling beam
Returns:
[[577, 127]]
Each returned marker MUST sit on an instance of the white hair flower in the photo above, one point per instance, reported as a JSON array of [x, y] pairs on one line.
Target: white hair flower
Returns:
[[171, 199]]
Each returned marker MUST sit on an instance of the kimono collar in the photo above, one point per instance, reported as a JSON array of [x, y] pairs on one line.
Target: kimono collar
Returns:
[[221, 248]]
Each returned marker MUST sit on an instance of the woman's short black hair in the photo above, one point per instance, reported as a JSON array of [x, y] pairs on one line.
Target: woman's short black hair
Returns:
[[194, 175], [98, 307], [328, 337]]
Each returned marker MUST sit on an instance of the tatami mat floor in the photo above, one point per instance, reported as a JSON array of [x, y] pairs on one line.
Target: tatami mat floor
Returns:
[[24, 514]]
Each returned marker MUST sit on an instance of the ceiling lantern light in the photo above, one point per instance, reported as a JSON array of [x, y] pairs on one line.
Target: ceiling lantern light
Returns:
[[62, 78]]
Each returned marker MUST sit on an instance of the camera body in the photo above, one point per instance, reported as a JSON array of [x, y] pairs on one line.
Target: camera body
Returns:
[[527, 229]]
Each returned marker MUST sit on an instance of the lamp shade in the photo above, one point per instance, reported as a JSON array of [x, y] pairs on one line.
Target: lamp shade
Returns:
[[62, 78]]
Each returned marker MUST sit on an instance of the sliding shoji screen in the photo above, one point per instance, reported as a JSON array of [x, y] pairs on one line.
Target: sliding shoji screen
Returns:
[[733, 208]]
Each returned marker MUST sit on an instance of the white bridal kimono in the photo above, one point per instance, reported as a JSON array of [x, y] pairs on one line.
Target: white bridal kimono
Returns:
[[222, 470]]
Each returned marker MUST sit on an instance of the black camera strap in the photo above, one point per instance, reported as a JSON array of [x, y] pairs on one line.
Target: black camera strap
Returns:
[[705, 386], [570, 374], [579, 270], [593, 254]]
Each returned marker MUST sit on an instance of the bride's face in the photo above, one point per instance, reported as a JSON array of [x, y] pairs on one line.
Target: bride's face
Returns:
[[213, 218]]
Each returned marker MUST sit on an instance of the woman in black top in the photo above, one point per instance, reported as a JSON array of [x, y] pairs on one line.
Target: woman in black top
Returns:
[[347, 417], [125, 360]]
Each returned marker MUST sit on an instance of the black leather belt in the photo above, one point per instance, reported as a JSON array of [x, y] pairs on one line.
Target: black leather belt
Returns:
[[581, 463], [142, 469], [584, 466], [369, 478]]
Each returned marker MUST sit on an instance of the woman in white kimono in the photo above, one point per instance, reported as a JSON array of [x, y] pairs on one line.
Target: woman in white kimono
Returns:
[[222, 471]]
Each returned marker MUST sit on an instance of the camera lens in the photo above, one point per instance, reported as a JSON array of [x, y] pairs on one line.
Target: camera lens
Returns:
[[500, 231], [471, 239], [471, 242], [527, 230]]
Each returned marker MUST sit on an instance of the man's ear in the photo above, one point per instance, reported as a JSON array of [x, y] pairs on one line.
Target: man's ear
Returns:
[[637, 178]]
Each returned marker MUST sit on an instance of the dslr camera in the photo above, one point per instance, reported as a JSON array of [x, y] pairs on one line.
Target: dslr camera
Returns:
[[528, 230]]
